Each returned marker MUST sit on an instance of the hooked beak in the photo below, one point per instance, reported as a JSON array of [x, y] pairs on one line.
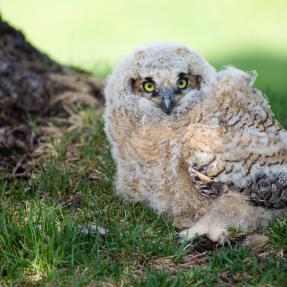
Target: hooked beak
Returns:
[[167, 104]]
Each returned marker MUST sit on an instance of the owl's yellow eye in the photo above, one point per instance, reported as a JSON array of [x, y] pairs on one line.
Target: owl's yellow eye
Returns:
[[149, 86], [182, 83]]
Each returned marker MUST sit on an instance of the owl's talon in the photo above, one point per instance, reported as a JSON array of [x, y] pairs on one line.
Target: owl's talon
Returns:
[[223, 239], [215, 234], [191, 233], [180, 237]]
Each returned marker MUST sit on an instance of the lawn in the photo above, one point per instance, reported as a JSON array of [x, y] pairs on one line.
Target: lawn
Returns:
[[42, 240]]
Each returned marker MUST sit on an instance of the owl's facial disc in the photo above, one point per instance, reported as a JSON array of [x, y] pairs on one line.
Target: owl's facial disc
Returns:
[[165, 92]]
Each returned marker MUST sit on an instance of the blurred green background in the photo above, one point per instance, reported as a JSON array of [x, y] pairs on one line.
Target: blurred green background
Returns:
[[93, 34]]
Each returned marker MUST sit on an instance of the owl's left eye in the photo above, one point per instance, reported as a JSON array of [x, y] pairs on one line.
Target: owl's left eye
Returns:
[[182, 83]]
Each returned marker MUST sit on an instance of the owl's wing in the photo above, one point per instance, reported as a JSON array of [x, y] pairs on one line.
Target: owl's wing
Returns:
[[266, 191], [245, 149]]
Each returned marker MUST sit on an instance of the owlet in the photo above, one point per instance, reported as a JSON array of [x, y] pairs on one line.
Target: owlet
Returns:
[[200, 146]]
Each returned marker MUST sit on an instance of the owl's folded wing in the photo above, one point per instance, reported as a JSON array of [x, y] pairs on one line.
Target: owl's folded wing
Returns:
[[266, 191], [238, 144]]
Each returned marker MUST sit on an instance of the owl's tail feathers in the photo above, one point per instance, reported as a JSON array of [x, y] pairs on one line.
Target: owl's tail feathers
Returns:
[[235, 78]]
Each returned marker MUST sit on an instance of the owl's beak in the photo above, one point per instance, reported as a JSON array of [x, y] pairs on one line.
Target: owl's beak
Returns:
[[166, 95]]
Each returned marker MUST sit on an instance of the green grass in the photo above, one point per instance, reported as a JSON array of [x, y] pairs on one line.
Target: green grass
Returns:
[[41, 243]]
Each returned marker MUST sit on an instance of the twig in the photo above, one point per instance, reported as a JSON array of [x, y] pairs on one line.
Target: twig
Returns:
[[18, 164], [12, 176]]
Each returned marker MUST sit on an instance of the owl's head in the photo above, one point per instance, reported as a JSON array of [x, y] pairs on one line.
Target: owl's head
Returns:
[[163, 79]]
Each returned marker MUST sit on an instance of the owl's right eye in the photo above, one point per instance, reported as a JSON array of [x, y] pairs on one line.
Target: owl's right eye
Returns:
[[149, 86]]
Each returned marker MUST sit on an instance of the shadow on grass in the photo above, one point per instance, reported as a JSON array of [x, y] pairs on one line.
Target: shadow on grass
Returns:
[[271, 79]]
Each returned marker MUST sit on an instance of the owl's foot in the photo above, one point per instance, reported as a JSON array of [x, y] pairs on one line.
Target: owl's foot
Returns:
[[214, 233], [231, 210]]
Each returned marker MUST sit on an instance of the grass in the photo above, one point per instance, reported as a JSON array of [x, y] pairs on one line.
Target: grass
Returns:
[[41, 243]]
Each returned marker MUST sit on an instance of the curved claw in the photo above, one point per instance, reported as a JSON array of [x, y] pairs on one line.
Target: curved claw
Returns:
[[215, 234]]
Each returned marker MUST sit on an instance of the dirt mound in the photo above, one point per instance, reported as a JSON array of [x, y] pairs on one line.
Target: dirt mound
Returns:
[[34, 89]]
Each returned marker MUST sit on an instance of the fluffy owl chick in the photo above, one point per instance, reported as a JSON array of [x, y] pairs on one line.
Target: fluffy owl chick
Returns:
[[200, 146]]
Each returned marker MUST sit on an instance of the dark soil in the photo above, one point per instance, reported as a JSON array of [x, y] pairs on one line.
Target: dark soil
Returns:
[[29, 84]]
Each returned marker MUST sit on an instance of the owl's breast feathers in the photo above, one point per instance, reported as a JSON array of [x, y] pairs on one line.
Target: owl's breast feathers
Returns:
[[235, 140]]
